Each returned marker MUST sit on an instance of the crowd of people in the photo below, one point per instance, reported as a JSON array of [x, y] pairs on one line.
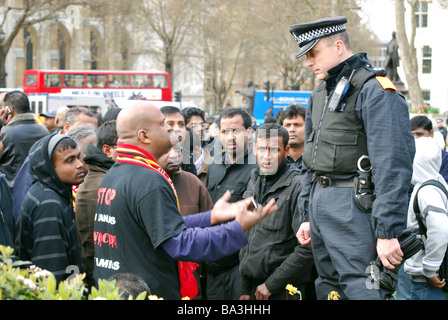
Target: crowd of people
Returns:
[[314, 199]]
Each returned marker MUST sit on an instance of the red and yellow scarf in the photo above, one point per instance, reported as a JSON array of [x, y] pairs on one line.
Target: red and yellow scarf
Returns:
[[127, 153]]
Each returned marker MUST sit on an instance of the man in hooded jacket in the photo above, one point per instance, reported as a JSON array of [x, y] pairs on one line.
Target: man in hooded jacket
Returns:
[[48, 236]]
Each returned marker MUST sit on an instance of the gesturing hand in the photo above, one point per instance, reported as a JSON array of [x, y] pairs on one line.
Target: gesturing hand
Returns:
[[240, 210], [248, 217]]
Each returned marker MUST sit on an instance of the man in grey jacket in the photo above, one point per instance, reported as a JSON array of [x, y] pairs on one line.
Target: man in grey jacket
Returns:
[[273, 258], [421, 280]]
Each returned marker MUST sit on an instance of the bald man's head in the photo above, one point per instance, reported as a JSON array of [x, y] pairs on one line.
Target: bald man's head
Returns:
[[143, 125]]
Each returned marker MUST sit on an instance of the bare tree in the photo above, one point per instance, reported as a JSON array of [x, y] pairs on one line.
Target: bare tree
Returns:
[[170, 21], [226, 36], [31, 12], [407, 51]]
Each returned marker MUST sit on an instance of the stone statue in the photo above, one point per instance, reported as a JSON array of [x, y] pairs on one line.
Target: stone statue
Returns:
[[250, 96], [392, 59]]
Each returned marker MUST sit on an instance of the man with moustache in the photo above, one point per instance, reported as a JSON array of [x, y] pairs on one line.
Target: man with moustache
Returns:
[[230, 170]]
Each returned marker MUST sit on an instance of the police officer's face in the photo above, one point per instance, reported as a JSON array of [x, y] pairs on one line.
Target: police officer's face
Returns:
[[322, 57]]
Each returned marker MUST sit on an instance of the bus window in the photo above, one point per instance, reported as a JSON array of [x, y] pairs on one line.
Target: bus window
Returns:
[[119, 81], [96, 80], [141, 81], [30, 79], [74, 80], [52, 80], [159, 81]]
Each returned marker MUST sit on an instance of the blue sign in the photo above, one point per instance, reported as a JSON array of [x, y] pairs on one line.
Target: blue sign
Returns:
[[281, 99]]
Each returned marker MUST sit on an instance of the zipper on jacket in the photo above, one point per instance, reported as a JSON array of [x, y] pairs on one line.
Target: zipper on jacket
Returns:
[[3, 217]]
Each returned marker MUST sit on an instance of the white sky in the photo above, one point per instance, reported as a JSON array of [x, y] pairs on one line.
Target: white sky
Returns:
[[380, 15]]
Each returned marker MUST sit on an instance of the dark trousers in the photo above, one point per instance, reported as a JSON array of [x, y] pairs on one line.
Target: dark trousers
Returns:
[[343, 244]]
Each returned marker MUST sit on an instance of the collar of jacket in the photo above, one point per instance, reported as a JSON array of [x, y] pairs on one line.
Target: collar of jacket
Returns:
[[344, 69], [278, 180], [96, 157], [22, 117], [284, 166], [247, 158]]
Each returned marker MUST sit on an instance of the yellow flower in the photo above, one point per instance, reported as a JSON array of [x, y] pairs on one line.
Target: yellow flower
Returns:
[[333, 295], [186, 298], [292, 290]]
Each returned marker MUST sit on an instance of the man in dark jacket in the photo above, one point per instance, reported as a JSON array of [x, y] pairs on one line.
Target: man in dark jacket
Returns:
[[99, 160], [48, 236], [19, 135], [230, 170], [273, 258]]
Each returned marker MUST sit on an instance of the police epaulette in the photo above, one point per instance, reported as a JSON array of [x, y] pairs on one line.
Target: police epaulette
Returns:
[[385, 83]]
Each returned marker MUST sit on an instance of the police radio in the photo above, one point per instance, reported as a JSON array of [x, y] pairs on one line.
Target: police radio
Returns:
[[339, 93]]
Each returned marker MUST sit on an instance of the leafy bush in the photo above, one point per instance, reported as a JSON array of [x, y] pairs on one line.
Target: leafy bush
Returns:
[[19, 280]]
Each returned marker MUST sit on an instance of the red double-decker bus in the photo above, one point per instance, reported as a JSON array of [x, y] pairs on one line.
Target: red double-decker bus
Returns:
[[147, 85]]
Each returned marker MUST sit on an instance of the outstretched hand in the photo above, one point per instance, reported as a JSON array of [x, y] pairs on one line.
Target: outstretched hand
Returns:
[[248, 216], [223, 210], [241, 211]]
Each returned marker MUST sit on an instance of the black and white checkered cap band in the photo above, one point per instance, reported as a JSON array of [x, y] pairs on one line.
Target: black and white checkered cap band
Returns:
[[306, 37]]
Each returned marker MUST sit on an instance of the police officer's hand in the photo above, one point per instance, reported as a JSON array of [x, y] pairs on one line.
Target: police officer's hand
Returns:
[[304, 235], [389, 251]]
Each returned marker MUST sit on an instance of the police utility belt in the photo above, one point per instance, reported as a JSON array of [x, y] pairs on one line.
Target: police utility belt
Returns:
[[362, 183]]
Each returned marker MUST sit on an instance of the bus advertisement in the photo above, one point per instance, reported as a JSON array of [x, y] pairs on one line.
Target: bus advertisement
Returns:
[[110, 84]]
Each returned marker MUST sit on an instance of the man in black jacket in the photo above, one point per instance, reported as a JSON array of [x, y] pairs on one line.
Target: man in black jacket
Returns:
[[230, 170], [19, 135], [273, 258]]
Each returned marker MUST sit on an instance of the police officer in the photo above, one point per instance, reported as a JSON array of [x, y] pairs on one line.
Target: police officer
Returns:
[[354, 113]]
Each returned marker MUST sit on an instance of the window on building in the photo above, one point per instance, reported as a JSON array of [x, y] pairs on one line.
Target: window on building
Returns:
[[28, 49], [426, 96], [427, 59], [62, 46], [421, 14]]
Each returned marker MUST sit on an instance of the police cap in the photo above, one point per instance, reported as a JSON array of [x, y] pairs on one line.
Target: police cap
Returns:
[[308, 34]]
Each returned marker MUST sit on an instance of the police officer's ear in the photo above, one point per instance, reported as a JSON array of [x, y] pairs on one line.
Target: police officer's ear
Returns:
[[339, 46]]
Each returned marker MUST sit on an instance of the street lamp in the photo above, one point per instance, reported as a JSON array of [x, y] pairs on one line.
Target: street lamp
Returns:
[[2, 60]]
